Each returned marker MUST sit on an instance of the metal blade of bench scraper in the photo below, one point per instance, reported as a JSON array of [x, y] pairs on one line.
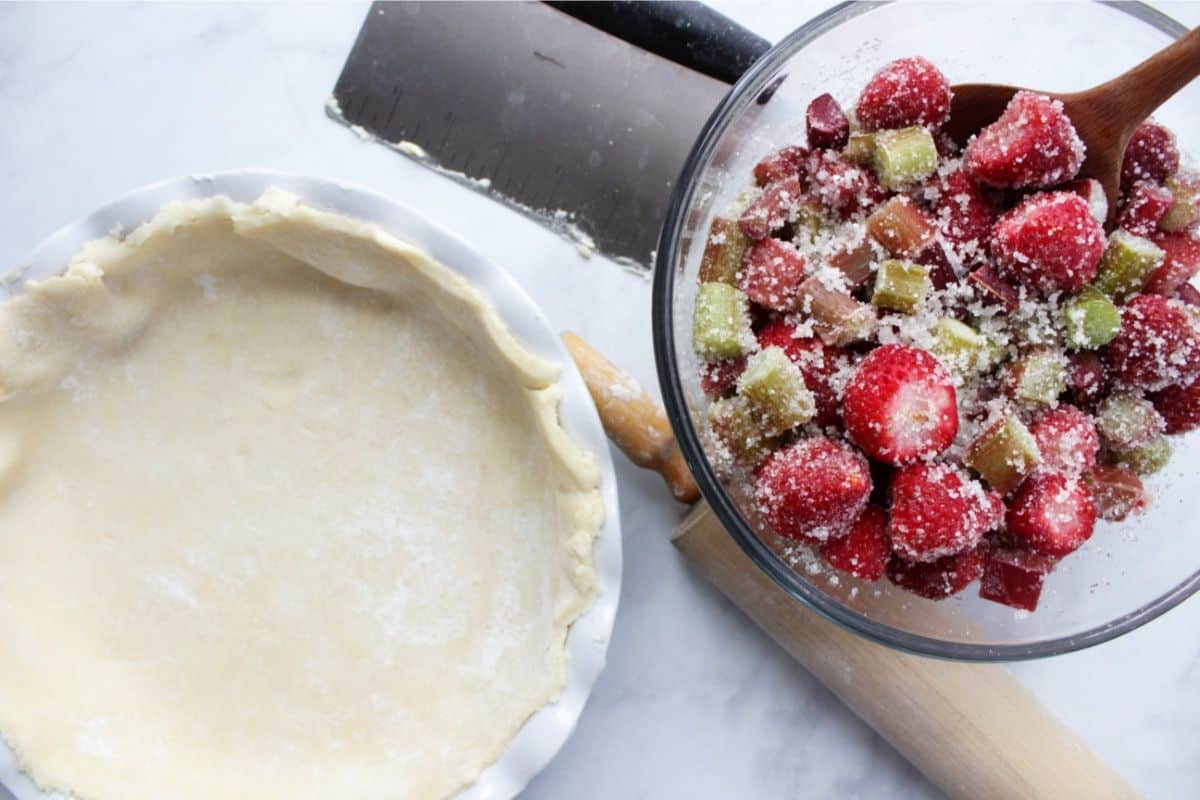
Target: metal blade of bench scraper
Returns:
[[541, 110]]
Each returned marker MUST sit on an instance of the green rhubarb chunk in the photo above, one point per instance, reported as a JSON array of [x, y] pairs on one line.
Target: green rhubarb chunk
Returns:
[[1147, 459], [1185, 207], [1040, 377], [1090, 320], [1127, 422], [860, 149], [1127, 264], [903, 157], [1004, 455], [721, 325], [735, 428], [724, 252], [960, 347], [774, 388], [900, 285]]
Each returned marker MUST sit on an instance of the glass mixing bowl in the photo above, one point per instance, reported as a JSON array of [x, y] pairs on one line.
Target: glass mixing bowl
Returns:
[[1129, 573]]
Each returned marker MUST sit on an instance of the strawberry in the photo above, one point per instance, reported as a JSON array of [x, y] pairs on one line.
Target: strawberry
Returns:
[[1158, 345], [774, 208], [1092, 192], [1148, 203], [817, 362], [938, 579], [964, 211], [900, 406], [840, 185], [772, 274], [1087, 379], [717, 378], [1053, 513], [1014, 577], [938, 510], [1180, 264], [1050, 242], [1179, 406], [826, 124], [865, 549], [786, 162], [1067, 439], [908, 91], [1032, 144], [1151, 155], [814, 489], [1117, 492]]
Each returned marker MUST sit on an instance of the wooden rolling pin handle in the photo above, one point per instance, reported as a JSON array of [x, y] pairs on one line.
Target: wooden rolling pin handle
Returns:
[[632, 419]]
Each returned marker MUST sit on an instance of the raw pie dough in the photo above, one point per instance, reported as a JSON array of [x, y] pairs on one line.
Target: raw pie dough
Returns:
[[285, 512]]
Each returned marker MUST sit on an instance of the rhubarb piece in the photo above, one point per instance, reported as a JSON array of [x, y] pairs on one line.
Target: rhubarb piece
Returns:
[[737, 431], [721, 325], [1067, 439], [787, 162], [1128, 263], [1181, 263], [1090, 320], [854, 262], [1158, 346], [1188, 295], [901, 227], [840, 319], [938, 579], [907, 91], [1039, 376], [937, 510], [1127, 422], [814, 489], [1092, 192], [933, 257], [1087, 378], [817, 362], [865, 549], [1151, 155], [826, 124], [960, 348], [904, 157], [1004, 455], [1032, 145], [860, 149], [1148, 203], [723, 252], [964, 211], [900, 406], [1014, 577], [717, 378], [995, 290], [841, 186], [900, 286], [1052, 513], [774, 208], [1179, 407], [1184, 212], [1117, 492], [772, 273], [774, 387], [1049, 243], [1147, 459]]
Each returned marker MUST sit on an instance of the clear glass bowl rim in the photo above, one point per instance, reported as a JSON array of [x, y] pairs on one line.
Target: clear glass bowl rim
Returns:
[[747, 88]]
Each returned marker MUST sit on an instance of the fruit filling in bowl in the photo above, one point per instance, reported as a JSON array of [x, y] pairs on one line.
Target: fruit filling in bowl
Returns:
[[932, 362]]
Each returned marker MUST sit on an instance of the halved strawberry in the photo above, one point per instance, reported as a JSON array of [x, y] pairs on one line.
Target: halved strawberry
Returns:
[[1014, 577], [841, 186], [772, 274], [1151, 155], [1032, 144], [1067, 439], [938, 579], [817, 362], [814, 489], [908, 91], [1158, 345], [865, 549], [963, 210], [786, 162], [938, 510], [900, 406], [1180, 264], [775, 207], [1179, 406], [826, 124], [1117, 492], [1148, 203], [717, 378], [1053, 513], [1050, 242]]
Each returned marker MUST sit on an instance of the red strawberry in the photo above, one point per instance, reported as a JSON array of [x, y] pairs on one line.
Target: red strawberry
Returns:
[[964, 211], [1014, 577], [813, 489], [1033, 144], [908, 91], [1180, 265], [840, 185], [772, 274], [1050, 242], [1092, 192], [774, 208], [826, 123], [937, 510], [1117, 492], [938, 579], [900, 406], [1158, 345], [1151, 155], [1148, 203], [1086, 377], [787, 162], [1179, 406], [1067, 439], [717, 378], [865, 549], [817, 362], [1053, 513]]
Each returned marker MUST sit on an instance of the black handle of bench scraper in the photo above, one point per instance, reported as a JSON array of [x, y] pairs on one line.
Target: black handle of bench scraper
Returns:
[[690, 34]]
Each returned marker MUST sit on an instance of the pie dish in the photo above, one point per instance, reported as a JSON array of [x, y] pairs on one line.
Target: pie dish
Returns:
[[263, 534]]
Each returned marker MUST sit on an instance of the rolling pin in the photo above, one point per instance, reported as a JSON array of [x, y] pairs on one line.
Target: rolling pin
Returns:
[[972, 729]]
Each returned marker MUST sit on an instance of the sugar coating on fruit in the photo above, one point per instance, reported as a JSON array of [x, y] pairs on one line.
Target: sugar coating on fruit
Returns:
[[1032, 145], [1050, 242], [813, 489], [772, 273], [1158, 346], [938, 510], [1052, 513], [1067, 439], [864, 550], [1150, 155], [908, 91]]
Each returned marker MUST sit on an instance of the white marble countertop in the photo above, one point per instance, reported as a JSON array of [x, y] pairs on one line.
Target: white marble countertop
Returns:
[[695, 702]]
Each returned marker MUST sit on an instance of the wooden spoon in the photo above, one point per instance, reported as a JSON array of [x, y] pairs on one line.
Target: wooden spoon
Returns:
[[1105, 116]]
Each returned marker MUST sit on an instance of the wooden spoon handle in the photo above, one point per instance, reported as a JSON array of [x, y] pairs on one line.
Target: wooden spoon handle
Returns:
[[633, 419], [1133, 96]]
